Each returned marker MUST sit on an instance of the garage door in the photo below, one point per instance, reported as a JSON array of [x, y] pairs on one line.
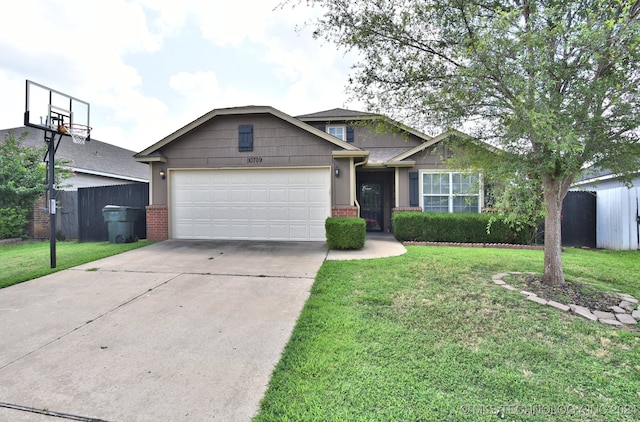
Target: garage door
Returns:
[[256, 204]]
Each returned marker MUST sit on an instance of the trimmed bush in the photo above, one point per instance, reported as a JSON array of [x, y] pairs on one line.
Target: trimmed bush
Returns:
[[13, 222], [458, 228], [345, 232]]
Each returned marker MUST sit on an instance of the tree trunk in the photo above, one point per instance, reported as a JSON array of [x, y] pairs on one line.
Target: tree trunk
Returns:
[[553, 196]]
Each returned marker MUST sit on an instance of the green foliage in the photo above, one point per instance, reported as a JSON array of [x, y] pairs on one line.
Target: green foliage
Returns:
[[22, 181], [555, 85], [459, 228], [515, 199], [22, 173], [345, 232], [427, 336], [28, 260], [12, 222]]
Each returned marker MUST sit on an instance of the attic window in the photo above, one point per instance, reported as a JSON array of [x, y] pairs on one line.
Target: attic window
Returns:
[[245, 138], [337, 131]]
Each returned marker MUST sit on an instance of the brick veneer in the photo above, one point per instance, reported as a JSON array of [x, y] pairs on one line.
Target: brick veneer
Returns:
[[38, 220], [344, 211], [157, 222]]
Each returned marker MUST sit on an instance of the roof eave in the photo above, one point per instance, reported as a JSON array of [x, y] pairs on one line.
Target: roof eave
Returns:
[[406, 163], [434, 141], [150, 159], [242, 111]]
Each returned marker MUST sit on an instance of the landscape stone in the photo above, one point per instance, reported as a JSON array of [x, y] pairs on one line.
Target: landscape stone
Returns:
[[629, 298], [617, 309], [610, 322], [618, 315], [625, 304], [537, 299], [626, 319], [558, 305], [584, 312], [604, 315]]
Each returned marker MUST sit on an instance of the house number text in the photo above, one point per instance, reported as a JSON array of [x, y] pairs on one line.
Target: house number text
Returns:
[[254, 160]]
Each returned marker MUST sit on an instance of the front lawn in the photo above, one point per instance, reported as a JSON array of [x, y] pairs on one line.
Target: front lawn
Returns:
[[28, 260], [428, 336]]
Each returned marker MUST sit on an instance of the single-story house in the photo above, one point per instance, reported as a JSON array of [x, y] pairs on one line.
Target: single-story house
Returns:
[[255, 172], [617, 208]]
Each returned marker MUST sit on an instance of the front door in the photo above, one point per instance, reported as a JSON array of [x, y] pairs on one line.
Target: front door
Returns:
[[370, 199]]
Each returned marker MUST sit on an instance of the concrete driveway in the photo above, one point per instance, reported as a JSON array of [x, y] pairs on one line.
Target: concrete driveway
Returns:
[[179, 330]]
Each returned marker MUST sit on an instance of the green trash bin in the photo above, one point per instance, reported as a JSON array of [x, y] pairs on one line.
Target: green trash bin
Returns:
[[121, 222]]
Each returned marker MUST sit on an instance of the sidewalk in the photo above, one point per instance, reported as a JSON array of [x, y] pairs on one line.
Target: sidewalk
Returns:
[[377, 245]]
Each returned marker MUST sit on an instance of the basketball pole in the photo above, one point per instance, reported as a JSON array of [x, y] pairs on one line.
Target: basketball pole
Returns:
[[49, 137]]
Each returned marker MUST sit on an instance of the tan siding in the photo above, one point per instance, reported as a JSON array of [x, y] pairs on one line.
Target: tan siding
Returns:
[[341, 188], [215, 144], [403, 188]]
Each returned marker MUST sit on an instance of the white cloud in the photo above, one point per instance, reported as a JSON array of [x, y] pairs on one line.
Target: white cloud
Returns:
[[85, 49]]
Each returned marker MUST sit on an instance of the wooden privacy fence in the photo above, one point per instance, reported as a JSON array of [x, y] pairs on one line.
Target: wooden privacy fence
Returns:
[[91, 225]]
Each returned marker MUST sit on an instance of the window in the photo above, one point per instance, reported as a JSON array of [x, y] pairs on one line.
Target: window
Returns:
[[337, 131], [245, 138], [450, 192]]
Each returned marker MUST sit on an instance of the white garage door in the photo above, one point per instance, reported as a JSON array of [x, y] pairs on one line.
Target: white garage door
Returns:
[[256, 204]]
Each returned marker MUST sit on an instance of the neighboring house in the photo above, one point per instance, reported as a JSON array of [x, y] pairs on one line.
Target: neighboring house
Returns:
[[617, 209], [257, 173], [92, 164]]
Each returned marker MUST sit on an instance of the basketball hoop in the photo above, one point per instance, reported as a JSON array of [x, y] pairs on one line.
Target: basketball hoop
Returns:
[[79, 133]]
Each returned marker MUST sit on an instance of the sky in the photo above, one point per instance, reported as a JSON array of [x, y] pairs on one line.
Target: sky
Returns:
[[149, 67]]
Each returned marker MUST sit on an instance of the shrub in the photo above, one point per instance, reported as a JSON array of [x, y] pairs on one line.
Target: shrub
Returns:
[[345, 232], [459, 228], [13, 222]]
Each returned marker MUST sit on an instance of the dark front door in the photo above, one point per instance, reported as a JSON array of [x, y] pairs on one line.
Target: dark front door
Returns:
[[370, 199]]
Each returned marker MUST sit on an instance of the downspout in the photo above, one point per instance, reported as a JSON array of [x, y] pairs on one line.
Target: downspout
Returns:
[[397, 186], [353, 195]]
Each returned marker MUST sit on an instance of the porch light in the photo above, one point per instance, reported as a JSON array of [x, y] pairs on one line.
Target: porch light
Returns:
[[337, 170], [163, 175]]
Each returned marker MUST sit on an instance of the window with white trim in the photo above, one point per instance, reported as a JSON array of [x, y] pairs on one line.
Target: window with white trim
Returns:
[[337, 131], [452, 192]]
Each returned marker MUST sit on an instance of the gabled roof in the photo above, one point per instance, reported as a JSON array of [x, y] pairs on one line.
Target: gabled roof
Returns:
[[599, 174], [151, 153], [344, 115], [336, 114], [94, 157], [434, 141]]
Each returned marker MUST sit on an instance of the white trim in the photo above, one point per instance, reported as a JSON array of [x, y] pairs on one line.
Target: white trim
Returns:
[[601, 178], [145, 155], [396, 175], [344, 131], [450, 195], [103, 174]]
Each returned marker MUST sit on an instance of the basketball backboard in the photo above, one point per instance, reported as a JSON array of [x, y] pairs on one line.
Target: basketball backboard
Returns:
[[48, 109]]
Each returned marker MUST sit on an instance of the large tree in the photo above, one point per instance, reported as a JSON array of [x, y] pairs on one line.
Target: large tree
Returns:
[[554, 84]]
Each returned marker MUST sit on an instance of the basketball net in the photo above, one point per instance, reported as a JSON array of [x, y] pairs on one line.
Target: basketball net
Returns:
[[79, 133]]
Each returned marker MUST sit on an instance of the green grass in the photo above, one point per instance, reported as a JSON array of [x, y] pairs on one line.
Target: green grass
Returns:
[[29, 260], [428, 336]]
